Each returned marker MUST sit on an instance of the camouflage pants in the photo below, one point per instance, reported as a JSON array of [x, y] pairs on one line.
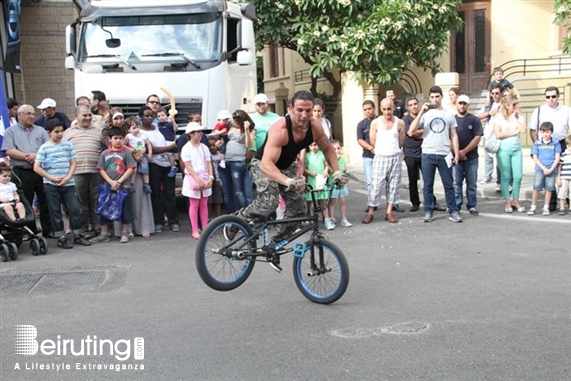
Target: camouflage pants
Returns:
[[269, 191]]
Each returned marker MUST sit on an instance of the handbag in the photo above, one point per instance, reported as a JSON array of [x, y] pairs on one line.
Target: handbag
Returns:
[[204, 175], [491, 142], [110, 203]]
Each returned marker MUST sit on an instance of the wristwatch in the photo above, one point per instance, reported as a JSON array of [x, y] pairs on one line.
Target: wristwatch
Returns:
[[211, 177]]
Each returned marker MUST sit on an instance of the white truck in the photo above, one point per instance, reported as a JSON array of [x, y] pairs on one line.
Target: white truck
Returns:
[[201, 51]]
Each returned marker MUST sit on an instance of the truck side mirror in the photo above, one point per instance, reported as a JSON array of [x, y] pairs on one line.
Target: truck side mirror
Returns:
[[245, 58], [70, 40]]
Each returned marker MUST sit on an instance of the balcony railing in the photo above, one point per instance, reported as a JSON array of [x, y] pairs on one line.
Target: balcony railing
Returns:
[[534, 66]]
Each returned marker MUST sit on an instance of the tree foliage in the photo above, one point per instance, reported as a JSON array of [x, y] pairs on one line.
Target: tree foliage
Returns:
[[562, 11], [377, 39]]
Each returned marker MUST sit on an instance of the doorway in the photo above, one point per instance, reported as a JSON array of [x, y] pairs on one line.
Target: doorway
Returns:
[[471, 47]]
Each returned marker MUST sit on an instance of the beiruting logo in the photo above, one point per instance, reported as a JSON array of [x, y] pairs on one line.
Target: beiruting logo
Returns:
[[27, 345]]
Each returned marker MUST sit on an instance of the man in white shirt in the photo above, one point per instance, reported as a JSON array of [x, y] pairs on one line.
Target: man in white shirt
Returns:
[[559, 115], [486, 113]]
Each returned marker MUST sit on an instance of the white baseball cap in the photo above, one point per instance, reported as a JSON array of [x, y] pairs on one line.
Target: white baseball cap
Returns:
[[260, 98], [117, 114], [191, 127], [463, 98], [48, 102], [223, 114]]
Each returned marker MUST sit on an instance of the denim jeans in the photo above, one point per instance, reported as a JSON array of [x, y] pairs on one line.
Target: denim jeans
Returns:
[[238, 173], [368, 169], [430, 162], [489, 168], [227, 193], [56, 197], [466, 170], [163, 200]]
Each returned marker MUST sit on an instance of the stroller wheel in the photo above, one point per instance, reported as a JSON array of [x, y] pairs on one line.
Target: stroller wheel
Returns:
[[43, 245], [35, 246], [13, 251], [4, 253]]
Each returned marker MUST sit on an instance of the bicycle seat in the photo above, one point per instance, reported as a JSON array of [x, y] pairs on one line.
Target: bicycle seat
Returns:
[[261, 216]]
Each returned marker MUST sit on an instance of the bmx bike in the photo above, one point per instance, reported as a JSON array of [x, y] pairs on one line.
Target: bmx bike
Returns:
[[224, 261]]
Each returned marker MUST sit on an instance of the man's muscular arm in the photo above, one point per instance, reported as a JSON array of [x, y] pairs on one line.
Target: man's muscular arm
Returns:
[[276, 140]]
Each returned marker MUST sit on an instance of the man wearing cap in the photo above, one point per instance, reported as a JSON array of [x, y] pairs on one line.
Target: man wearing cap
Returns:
[[22, 142], [48, 110], [469, 133], [88, 142], [262, 118]]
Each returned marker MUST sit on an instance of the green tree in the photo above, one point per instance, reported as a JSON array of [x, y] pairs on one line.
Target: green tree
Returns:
[[377, 39], [562, 11]]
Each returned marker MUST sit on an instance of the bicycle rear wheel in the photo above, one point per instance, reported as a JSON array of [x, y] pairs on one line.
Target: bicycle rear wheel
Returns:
[[216, 265], [322, 282]]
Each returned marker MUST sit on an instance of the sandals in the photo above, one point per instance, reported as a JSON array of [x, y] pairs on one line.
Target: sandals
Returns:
[[520, 209], [509, 210], [368, 219]]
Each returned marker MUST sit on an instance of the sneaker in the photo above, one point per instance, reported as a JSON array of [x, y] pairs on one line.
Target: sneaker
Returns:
[[329, 225], [531, 210], [81, 240], [132, 188], [147, 188], [486, 181], [455, 217], [175, 227], [222, 164], [103, 237], [498, 188], [172, 172], [334, 221], [230, 231], [64, 243], [473, 211], [346, 223], [159, 228], [562, 212], [428, 217], [125, 237], [546, 212]]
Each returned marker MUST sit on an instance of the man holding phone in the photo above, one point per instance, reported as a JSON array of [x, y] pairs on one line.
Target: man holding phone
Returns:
[[439, 139]]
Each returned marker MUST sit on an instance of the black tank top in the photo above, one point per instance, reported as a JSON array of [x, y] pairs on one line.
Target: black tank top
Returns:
[[291, 149]]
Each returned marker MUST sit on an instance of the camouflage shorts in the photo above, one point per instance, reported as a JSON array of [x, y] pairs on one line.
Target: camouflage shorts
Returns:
[[267, 199]]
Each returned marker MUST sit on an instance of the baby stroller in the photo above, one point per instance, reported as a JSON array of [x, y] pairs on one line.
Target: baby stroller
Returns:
[[12, 232]]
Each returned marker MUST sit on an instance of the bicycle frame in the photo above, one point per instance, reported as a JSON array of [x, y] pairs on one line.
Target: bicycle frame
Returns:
[[261, 229]]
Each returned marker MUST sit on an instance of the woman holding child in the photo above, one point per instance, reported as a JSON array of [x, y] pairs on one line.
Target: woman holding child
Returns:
[[509, 124]]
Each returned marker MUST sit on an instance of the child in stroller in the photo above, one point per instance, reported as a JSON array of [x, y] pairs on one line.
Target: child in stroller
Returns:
[[12, 229]]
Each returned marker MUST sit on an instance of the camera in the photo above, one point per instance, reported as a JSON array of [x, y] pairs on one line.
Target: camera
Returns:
[[431, 106]]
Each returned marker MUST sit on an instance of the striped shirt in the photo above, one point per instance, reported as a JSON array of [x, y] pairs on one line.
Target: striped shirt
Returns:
[[88, 143], [55, 159], [566, 165]]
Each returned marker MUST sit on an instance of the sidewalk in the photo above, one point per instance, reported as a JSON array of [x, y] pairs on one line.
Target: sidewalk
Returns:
[[486, 191]]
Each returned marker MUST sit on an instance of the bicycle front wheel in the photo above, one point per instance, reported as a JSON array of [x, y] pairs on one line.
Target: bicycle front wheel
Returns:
[[322, 275], [218, 258]]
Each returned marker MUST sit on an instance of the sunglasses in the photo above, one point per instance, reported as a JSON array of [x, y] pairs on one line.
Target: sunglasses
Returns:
[[155, 102], [550, 96], [462, 103]]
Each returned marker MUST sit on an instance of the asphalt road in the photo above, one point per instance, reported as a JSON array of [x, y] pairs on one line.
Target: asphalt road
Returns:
[[487, 299]]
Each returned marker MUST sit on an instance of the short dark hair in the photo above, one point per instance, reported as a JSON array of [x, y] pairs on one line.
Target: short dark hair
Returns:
[[497, 86], [302, 95], [116, 131], [435, 89], [411, 99], [80, 98], [162, 109], [129, 121], [11, 102], [497, 69], [369, 102], [191, 115], [319, 102], [552, 88], [143, 109], [4, 169], [99, 95], [546, 126], [152, 96], [53, 123]]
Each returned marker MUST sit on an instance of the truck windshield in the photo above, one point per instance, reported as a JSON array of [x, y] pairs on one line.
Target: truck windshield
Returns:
[[194, 36]]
